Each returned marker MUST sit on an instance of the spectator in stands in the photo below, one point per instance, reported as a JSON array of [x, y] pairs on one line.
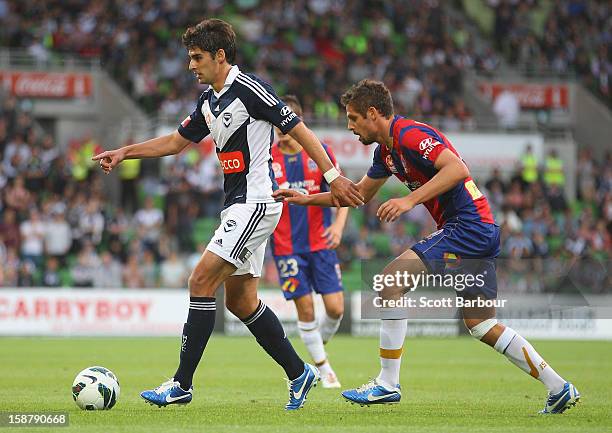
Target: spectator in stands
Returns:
[[32, 233], [117, 226], [91, 222], [556, 198], [149, 221], [515, 198], [11, 267], [315, 50], [49, 152], [51, 276], [129, 173], [89, 254], [173, 271], [149, 270], [132, 274], [518, 245], [9, 228], [81, 272], [17, 196], [58, 236], [548, 38], [529, 166], [110, 272], [33, 172], [553, 170], [25, 277], [16, 156], [399, 34]]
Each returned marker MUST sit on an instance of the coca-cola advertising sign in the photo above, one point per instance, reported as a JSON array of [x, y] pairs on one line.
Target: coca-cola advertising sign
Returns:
[[47, 84], [530, 96]]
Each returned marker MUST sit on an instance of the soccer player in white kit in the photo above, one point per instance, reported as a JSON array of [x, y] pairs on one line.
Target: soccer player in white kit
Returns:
[[239, 111]]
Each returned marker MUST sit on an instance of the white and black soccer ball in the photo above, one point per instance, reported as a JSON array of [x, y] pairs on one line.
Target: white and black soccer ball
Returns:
[[95, 388]]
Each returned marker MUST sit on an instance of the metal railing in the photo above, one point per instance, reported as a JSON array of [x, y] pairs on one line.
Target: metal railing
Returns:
[[14, 58]]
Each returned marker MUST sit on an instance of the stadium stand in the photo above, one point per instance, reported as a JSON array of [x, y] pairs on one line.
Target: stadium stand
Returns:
[[46, 194], [552, 38], [415, 47]]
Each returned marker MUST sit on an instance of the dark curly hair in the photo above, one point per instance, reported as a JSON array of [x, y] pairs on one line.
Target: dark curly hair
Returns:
[[212, 35], [366, 94]]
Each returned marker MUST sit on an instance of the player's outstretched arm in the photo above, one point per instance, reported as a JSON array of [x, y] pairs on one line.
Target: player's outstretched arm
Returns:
[[343, 191], [367, 187], [170, 144], [292, 196]]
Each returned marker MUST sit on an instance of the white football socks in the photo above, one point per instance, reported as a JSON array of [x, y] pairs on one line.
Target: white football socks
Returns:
[[328, 327], [310, 335], [392, 335], [522, 354]]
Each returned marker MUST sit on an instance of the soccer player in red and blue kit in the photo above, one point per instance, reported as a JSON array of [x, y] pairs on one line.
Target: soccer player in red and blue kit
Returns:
[[424, 160], [303, 245]]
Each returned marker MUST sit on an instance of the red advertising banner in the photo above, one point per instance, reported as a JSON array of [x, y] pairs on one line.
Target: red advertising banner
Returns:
[[531, 96], [47, 84]]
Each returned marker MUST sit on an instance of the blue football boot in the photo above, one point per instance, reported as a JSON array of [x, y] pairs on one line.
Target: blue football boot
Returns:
[[563, 400], [169, 392], [373, 393], [299, 387]]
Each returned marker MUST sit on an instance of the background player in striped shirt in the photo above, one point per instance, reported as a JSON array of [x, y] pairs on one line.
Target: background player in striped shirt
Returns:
[[424, 160], [303, 246], [238, 111]]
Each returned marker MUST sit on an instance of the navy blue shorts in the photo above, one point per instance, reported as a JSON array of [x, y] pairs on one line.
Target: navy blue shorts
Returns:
[[464, 248], [300, 274]]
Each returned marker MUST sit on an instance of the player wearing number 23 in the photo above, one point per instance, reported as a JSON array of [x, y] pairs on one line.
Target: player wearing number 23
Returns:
[[303, 246]]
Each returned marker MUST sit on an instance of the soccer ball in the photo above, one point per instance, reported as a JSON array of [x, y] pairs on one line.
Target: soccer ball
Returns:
[[95, 388]]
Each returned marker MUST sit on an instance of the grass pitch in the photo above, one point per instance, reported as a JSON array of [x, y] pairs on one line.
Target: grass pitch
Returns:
[[449, 385]]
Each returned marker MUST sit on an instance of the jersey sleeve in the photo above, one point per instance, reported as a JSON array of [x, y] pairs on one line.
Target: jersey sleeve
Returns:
[[263, 104], [423, 140], [378, 170], [194, 126]]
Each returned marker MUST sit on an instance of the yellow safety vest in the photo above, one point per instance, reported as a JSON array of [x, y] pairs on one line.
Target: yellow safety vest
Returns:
[[129, 169], [530, 168], [82, 160], [553, 172]]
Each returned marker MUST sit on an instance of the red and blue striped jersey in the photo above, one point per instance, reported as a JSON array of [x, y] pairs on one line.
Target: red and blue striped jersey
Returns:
[[415, 148], [300, 229]]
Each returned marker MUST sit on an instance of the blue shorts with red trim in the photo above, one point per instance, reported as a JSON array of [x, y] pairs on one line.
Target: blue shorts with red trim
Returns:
[[464, 248], [300, 274]]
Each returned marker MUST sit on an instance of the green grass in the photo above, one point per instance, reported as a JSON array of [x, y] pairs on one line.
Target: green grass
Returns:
[[449, 385]]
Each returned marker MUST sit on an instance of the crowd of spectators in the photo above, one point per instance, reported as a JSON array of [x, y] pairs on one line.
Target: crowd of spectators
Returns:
[[57, 226], [547, 241], [562, 38], [311, 48]]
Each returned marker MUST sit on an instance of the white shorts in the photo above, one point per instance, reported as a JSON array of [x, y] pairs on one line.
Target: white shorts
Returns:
[[243, 234]]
